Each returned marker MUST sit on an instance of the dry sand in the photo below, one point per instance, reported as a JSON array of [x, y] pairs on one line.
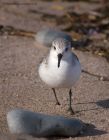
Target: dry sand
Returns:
[[21, 87]]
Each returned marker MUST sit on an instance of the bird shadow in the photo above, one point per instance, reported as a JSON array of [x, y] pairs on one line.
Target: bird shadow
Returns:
[[85, 103], [103, 103], [84, 110]]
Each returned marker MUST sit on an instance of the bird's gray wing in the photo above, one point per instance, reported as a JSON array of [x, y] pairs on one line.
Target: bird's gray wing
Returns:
[[74, 59]]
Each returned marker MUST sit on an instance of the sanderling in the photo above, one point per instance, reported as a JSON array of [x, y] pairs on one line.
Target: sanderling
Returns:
[[61, 68]]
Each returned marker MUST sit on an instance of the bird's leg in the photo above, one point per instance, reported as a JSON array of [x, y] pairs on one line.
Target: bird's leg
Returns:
[[70, 102], [57, 102]]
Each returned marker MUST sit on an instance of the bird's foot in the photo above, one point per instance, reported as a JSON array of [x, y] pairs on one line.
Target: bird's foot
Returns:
[[71, 111], [58, 103]]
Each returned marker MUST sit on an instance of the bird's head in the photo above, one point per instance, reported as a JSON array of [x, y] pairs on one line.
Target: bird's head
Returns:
[[60, 49]]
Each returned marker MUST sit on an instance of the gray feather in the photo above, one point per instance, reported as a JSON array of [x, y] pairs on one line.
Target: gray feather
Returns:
[[47, 36]]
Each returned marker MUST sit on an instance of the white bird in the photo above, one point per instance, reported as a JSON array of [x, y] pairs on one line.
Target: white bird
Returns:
[[61, 68]]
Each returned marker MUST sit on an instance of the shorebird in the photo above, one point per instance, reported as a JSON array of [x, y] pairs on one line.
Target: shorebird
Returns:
[[61, 68]]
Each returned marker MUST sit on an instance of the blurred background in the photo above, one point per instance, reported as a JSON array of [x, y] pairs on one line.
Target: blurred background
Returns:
[[86, 20]]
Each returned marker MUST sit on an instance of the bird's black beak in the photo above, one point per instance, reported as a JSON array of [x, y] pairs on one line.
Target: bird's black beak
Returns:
[[59, 59]]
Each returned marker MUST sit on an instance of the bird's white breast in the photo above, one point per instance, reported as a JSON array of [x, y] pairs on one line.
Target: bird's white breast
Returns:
[[63, 77]]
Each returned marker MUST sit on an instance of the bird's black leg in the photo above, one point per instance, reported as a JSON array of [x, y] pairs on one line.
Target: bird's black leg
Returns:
[[57, 102], [70, 102]]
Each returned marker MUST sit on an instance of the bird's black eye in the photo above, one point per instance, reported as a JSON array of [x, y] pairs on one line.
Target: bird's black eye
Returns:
[[66, 49], [54, 48]]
